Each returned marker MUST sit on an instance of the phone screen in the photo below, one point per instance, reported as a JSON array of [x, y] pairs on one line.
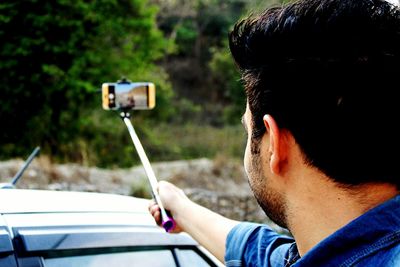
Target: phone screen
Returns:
[[128, 96]]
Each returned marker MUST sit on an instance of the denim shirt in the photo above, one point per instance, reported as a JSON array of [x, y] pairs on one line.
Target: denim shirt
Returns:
[[373, 239]]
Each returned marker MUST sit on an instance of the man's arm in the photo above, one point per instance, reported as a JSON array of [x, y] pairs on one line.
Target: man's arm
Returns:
[[207, 227]]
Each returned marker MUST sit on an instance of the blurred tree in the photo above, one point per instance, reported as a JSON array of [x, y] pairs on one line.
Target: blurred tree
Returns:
[[201, 68], [226, 79], [56, 54], [199, 24]]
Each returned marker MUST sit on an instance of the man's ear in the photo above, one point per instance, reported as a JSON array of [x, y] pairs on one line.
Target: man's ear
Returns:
[[277, 145]]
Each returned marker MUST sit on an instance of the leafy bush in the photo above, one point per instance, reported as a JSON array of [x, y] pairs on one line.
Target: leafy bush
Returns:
[[55, 56], [227, 80]]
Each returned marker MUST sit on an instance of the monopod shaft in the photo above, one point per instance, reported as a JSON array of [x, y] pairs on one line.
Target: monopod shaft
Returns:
[[167, 222]]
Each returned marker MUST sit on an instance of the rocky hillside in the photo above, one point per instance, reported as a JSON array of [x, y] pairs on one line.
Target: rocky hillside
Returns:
[[219, 184]]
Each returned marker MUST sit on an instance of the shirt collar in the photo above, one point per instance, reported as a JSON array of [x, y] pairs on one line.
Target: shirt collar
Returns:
[[356, 237]]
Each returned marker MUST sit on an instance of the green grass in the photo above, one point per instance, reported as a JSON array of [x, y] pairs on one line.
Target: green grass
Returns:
[[107, 143], [171, 142]]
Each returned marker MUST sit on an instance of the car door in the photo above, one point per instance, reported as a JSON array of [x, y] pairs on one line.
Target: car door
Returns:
[[7, 257], [105, 246]]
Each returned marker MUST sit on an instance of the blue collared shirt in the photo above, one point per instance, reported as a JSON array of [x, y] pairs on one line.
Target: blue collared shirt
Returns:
[[373, 239]]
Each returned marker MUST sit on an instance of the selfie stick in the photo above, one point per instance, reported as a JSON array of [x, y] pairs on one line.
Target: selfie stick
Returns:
[[167, 222]]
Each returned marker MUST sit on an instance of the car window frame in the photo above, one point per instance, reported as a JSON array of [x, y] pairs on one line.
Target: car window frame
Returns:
[[32, 248]]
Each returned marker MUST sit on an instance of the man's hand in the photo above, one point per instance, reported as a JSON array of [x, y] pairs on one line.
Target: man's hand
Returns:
[[207, 227], [172, 199]]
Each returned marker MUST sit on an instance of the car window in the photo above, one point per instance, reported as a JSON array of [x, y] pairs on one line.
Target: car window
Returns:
[[152, 258], [188, 257]]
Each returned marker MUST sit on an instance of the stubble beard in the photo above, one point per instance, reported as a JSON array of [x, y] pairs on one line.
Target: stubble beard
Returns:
[[271, 201]]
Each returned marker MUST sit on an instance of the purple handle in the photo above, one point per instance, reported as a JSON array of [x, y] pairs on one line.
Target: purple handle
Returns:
[[168, 224]]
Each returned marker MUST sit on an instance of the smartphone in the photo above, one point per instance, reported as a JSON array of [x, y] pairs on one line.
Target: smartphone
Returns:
[[127, 95]]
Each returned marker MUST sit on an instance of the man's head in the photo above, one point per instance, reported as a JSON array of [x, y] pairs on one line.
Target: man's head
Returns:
[[326, 71]]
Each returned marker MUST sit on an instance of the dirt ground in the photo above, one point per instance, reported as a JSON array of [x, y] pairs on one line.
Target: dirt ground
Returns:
[[219, 184]]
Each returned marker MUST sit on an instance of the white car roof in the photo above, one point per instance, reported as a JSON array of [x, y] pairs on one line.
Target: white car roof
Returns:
[[44, 201], [25, 208]]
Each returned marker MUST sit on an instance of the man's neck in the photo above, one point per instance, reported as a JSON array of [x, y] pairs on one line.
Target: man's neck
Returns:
[[317, 211]]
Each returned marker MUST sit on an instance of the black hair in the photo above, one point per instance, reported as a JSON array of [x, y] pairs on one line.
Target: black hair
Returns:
[[327, 71]]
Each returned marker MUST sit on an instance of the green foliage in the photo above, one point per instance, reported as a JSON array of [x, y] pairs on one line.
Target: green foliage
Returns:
[[107, 142], [175, 142], [186, 35], [201, 69], [227, 80], [56, 54], [197, 25], [196, 141], [186, 111]]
